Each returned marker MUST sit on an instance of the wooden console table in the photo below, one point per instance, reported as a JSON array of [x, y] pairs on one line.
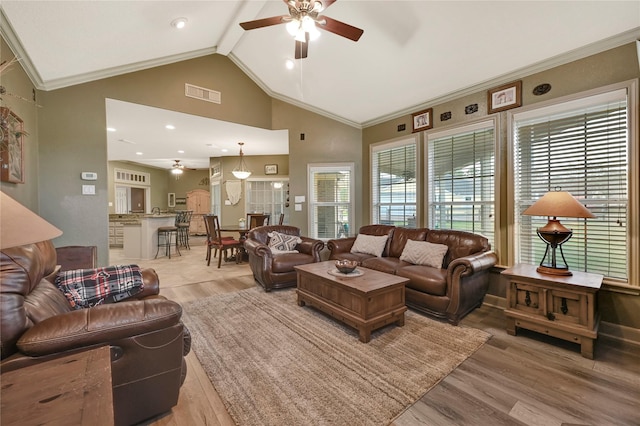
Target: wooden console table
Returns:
[[560, 306], [71, 390]]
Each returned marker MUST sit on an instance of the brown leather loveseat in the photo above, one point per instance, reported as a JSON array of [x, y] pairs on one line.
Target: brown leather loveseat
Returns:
[[451, 291], [145, 335], [277, 271]]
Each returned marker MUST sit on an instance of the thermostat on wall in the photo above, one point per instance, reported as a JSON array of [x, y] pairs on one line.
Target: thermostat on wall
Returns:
[[89, 176]]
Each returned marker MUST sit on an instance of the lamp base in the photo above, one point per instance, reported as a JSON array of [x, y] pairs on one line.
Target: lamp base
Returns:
[[548, 270]]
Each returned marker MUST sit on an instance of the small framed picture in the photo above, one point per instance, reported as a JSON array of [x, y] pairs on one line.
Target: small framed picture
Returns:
[[505, 97], [422, 120], [271, 169]]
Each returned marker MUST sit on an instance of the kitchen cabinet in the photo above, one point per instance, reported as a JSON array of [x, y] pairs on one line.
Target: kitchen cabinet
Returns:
[[198, 201]]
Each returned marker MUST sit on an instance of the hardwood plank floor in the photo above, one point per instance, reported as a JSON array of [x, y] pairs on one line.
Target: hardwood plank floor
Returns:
[[528, 379]]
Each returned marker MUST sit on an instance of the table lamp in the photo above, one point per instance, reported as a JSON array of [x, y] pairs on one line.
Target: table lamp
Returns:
[[20, 226], [554, 234]]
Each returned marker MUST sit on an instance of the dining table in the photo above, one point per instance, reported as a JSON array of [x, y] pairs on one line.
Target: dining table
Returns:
[[242, 235]]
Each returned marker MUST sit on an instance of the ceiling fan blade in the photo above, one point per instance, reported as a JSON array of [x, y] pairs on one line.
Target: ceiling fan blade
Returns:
[[340, 28], [302, 48], [327, 3], [266, 22]]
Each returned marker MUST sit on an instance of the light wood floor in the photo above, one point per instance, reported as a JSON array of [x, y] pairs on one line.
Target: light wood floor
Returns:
[[528, 379]]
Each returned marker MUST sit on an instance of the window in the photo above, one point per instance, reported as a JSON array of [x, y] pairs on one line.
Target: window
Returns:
[[580, 146], [461, 179], [266, 196], [331, 190], [393, 183]]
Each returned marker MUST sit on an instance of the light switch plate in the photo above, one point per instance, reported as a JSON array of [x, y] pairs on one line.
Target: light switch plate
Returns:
[[88, 190], [298, 207]]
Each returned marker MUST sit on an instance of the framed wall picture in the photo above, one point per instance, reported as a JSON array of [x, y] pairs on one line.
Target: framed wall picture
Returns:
[[271, 169], [12, 155], [505, 97], [422, 120]]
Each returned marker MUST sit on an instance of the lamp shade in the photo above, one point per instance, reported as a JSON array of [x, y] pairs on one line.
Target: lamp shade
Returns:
[[20, 226], [558, 204]]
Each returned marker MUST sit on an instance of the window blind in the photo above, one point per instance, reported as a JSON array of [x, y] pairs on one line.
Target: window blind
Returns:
[[393, 184], [462, 181], [330, 201], [583, 151], [266, 196]]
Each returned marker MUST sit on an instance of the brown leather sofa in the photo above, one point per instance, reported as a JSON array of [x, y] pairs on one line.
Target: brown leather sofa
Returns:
[[147, 339], [450, 292], [278, 271]]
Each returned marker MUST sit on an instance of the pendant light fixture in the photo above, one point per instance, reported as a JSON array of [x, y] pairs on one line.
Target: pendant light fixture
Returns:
[[241, 172]]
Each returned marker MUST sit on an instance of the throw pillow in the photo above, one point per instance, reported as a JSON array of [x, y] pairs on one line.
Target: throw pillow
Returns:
[[424, 253], [85, 288], [283, 242], [369, 244]]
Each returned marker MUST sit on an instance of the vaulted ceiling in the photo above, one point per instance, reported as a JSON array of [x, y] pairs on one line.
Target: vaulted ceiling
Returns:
[[412, 53]]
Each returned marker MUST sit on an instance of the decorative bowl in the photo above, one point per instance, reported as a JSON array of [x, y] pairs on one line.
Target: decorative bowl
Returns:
[[346, 266]]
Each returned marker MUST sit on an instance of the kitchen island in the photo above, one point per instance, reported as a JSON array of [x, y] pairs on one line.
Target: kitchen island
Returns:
[[141, 236]]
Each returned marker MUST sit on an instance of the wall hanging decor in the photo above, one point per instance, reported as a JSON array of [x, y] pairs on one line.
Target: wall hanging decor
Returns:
[[505, 97], [11, 147], [422, 120], [271, 169]]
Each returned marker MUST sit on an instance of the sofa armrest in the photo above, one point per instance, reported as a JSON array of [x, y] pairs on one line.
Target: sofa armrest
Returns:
[[469, 265], [256, 248], [341, 245], [99, 324], [311, 247], [151, 284]]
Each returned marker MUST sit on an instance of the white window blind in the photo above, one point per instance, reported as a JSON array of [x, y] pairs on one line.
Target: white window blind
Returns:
[[393, 183], [462, 180], [583, 149], [331, 201]]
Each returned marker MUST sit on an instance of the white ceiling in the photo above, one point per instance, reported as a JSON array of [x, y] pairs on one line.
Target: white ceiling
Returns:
[[412, 53]]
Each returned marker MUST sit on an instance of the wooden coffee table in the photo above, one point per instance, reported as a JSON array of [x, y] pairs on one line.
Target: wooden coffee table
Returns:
[[366, 302]]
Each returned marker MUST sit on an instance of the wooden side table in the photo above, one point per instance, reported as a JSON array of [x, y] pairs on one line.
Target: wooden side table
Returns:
[[560, 306], [71, 390]]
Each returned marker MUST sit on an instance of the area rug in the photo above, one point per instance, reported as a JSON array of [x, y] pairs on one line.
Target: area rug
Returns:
[[276, 363]]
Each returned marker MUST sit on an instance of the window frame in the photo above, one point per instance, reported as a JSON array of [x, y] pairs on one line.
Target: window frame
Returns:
[[329, 167], [483, 123], [374, 149], [284, 189], [556, 106]]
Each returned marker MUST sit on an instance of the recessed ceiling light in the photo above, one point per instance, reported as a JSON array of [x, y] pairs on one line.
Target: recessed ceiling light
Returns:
[[170, 127], [180, 151], [224, 150], [139, 153], [111, 129], [289, 64], [179, 23]]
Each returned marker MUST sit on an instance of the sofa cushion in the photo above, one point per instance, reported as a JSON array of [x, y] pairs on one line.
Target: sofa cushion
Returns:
[[401, 236], [425, 279], [369, 244], [383, 264], [424, 253], [85, 288], [283, 242]]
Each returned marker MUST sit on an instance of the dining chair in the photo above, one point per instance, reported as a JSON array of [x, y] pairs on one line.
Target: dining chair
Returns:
[[281, 220], [257, 219], [216, 241]]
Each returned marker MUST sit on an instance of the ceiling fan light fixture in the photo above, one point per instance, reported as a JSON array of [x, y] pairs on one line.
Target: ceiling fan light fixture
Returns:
[[293, 26], [241, 171], [176, 170]]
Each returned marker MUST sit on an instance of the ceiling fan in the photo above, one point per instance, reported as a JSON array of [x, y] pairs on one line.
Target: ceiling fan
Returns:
[[303, 22], [178, 169]]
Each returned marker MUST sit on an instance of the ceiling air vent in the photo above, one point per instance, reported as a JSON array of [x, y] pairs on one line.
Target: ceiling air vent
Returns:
[[201, 93]]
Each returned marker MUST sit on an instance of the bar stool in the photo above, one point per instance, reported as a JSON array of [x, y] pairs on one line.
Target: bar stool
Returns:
[[183, 222], [167, 233]]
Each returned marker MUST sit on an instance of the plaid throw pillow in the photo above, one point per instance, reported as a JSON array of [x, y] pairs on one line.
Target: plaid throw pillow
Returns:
[[283, 242], [85, 288]]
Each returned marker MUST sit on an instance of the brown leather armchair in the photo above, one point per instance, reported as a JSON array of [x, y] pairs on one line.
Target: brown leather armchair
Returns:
[[146, 337], [277, 271]]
